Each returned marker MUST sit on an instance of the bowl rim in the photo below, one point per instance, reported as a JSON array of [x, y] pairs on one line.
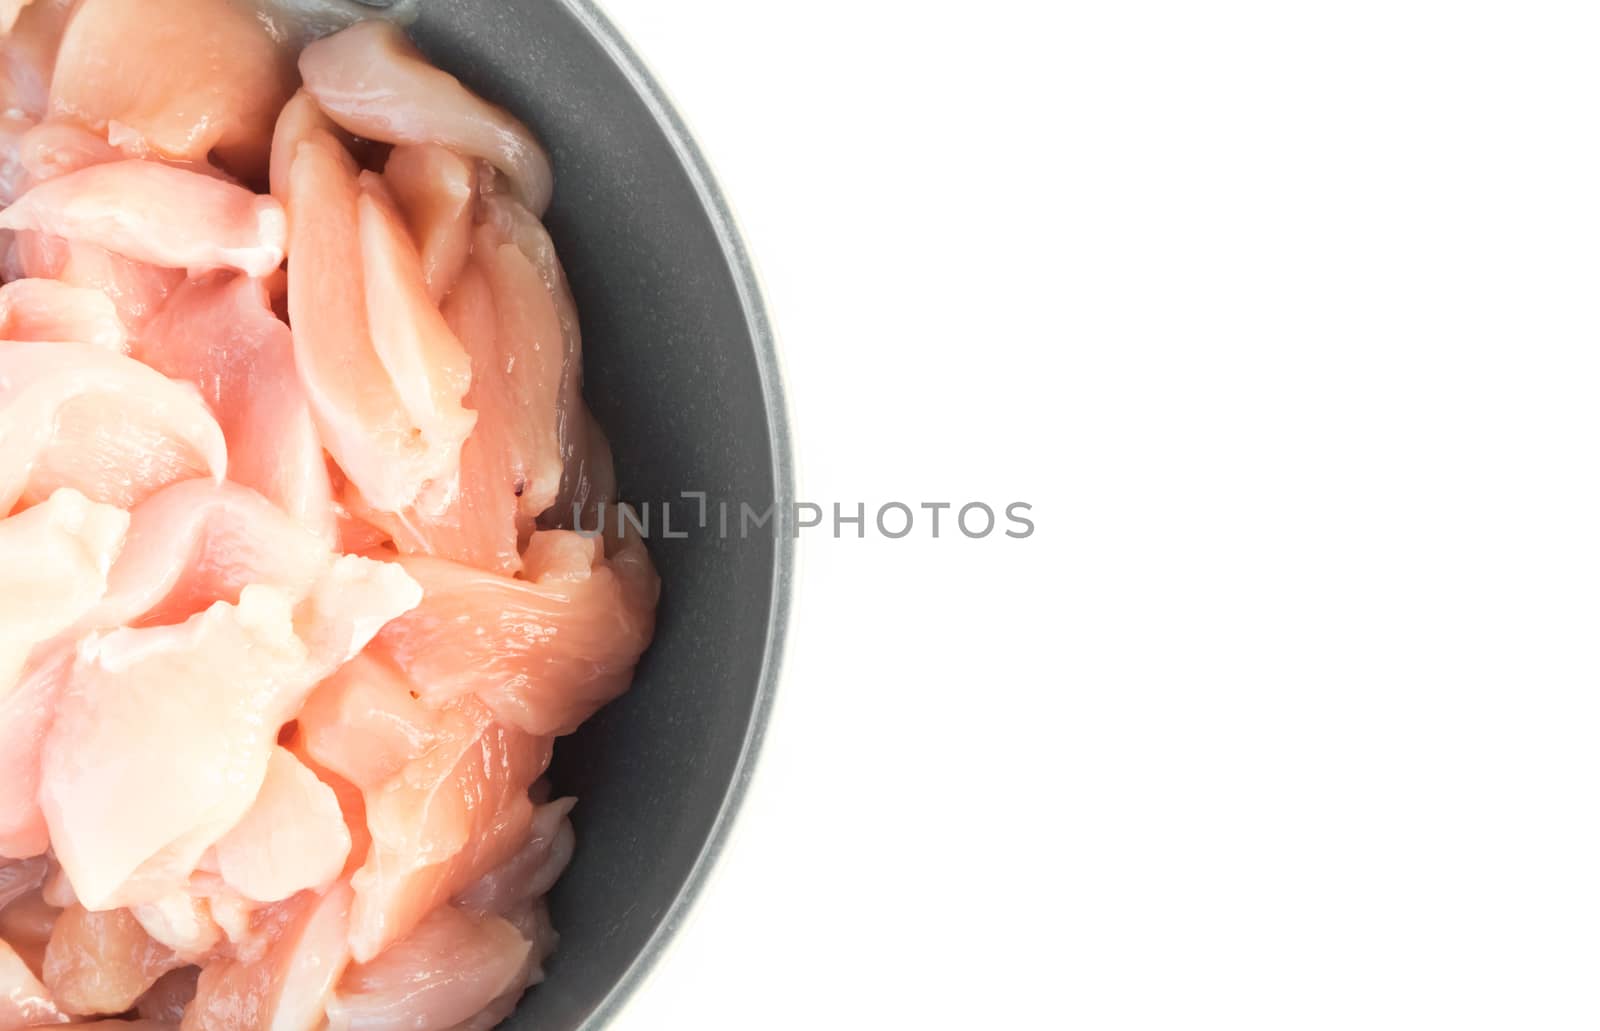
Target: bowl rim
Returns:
[[746, 281]]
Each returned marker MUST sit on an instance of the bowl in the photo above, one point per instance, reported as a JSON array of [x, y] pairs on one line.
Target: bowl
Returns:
[[681, 372]]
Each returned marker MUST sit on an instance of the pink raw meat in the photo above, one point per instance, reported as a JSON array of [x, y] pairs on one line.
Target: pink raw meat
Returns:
[[174, 79], [292, 838], [54, 564], [136, 290], [448, 817], [288, 986], [45, 309], [371, 80], [220, 333], [157, 214], [131, 805], [544, 655], [76, 415], [444, 972], [384, 377], [199, 542]]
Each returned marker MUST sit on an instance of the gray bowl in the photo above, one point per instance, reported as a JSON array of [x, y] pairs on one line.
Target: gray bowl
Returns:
[[681, 372]]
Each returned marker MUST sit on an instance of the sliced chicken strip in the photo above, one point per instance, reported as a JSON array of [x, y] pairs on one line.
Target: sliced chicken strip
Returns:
[[531, 352], [380, 385], [374, 82], [581, 457], [479, 525], [436, 189], [157, 214]]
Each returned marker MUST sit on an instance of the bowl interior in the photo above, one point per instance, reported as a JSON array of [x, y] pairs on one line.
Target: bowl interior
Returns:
[[673, 350]]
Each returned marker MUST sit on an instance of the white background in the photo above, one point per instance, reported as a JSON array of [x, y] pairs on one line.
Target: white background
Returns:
[[1284, 317]]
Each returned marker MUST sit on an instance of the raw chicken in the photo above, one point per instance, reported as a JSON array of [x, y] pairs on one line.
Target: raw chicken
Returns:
[[375, 83], [26, 711], [80, 416], [389, 410], [448, 817], [174, 78], [100, 963], [182, 921], [131, 806], [288, 986], [427, 364], [55, 560], [136, 290], [444, 972], [45, 309], [479, 525], [220, 333], [290, 606], [9, 10], [292, 838], [583, 459], [365, 723], [157, 214], [54, 564], [24, 1001], [530, 353], [543, 655], [52, 149], [199, 542], [298, 119], [436, 188], [511, 889], [28, 56]]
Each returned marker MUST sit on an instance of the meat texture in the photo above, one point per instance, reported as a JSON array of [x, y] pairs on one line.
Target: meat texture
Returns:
[[299, 577]]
